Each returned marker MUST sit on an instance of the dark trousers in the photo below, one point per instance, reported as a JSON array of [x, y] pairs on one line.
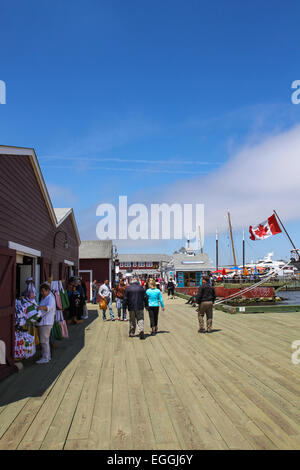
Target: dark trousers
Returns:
[[153, 315]]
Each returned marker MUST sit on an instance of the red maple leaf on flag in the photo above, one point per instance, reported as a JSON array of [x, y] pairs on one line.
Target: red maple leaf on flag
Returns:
[[261, 231]]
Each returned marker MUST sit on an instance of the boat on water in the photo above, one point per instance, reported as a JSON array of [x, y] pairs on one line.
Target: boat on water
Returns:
[[267, 265]]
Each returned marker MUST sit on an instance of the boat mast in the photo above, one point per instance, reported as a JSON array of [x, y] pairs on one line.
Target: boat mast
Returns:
[[243, 249], [200, 240], [232, 244], [217, 251]]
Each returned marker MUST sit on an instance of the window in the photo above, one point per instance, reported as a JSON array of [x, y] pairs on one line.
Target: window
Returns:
[[127, 264], [149, 264], [134, 265], [141, 265]]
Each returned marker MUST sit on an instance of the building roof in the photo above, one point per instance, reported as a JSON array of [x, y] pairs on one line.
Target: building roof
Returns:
[[61, 213], [93, 249], [57, 216], [142, 257], [197, 262]]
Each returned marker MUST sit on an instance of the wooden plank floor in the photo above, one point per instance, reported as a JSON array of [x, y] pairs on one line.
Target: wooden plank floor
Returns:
[[235, 388]]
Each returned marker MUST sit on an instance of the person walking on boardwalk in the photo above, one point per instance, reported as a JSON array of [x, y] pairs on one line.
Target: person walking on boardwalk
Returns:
[[94, 291], [205, 298], [119, 292], [135, 299], [106, 294], [154, 300], [171, 288]]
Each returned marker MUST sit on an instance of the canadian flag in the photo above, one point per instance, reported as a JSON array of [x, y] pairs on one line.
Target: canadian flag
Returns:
[[265, 229]]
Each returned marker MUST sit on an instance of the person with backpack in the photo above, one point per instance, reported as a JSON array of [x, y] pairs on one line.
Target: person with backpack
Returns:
[[205, 299], [171, 288]]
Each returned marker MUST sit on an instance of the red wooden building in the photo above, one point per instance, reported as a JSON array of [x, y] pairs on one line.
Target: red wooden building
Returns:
[[95, 262], [35, 239]]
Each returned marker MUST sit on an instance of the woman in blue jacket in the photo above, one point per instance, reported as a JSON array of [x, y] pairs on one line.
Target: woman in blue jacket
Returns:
[[154, 300]]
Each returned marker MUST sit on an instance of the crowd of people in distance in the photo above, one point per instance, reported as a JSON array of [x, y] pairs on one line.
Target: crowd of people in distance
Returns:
[[131, 295]]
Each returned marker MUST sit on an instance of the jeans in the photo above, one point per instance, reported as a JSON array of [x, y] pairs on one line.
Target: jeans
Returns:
[[109, 305], [94, 297], [120, 307]]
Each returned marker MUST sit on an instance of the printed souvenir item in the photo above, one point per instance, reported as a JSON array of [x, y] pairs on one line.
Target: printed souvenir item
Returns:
[[24, 345], [25, 310]]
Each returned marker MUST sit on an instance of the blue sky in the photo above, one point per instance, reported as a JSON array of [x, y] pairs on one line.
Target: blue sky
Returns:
[[141, 97]]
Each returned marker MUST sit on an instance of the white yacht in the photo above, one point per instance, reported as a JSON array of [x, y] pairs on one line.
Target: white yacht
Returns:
[[273, 265]]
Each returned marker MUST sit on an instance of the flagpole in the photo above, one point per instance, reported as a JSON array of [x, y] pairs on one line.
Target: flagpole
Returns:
[[285, 230]]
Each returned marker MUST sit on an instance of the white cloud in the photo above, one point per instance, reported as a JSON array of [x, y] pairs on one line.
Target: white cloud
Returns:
[[253, 182]]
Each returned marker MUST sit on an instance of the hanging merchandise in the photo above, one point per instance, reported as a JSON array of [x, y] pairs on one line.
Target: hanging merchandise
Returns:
[[64, 296], [55, 291], [24, 345], [59, 318]]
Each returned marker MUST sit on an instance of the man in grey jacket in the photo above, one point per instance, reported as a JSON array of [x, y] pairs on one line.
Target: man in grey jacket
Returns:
[[105, 293]]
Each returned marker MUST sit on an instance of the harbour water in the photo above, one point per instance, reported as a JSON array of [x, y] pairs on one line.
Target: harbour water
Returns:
[[290, 297]]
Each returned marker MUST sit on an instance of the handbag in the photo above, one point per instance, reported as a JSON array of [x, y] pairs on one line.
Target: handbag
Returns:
[[64, 299], [57, 331], [103, 304], [58, 301], [64, 329]]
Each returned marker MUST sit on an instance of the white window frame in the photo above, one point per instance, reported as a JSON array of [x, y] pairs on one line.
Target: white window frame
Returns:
[[149, 264], [141, 264]]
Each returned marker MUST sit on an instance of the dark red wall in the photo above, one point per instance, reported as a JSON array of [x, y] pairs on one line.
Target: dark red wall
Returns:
[[100, 268], [24, 217]]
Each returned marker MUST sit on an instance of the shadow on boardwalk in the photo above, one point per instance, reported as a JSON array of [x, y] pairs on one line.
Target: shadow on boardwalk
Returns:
[[35, 379]]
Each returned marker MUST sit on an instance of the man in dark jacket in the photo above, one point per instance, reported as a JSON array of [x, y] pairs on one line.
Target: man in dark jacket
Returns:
[[135, 299], [205, 298]]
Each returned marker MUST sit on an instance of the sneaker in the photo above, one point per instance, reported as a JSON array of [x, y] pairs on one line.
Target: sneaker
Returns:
[[142, 335], [104, 319], [85, 317], [208, 330], [42, 361], [113, 319], [125, 319], [201, 330]]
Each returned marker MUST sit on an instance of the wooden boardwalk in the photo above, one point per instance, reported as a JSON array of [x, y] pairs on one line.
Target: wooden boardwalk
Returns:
[[235, 388]]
